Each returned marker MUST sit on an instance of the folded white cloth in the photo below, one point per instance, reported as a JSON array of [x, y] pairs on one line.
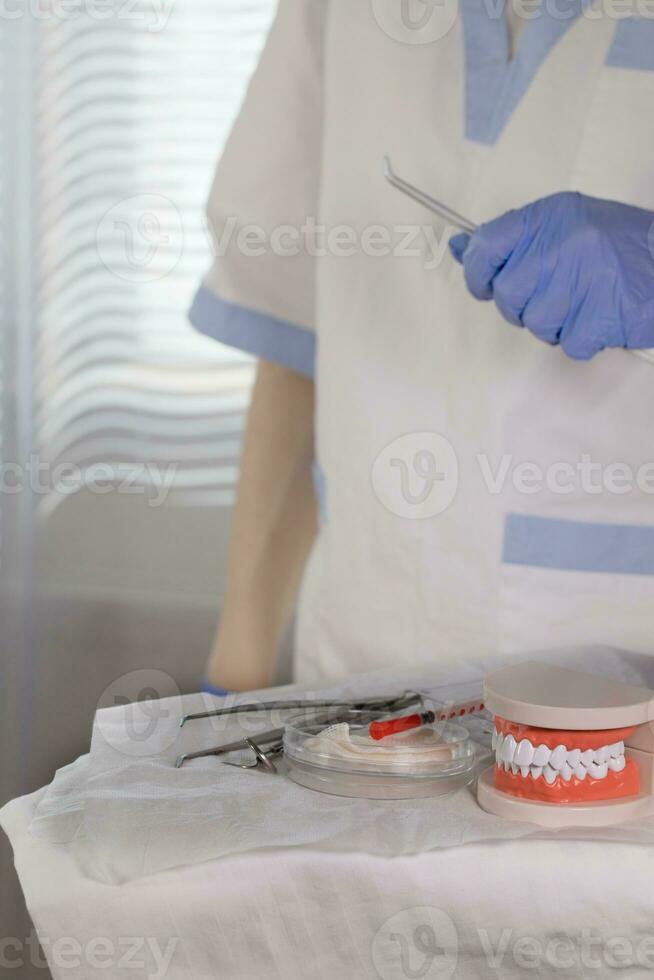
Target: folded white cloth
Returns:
[[127, 812], [510, 910]]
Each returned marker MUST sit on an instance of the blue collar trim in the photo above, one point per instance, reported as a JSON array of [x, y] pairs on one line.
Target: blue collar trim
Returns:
[[495, 82]]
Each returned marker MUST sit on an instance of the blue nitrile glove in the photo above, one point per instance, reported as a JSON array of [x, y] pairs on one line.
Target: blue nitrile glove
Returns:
[[574, 270], [209, 688]]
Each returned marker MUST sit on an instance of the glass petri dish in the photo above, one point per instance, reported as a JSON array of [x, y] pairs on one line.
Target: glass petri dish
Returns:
[[343, 760]]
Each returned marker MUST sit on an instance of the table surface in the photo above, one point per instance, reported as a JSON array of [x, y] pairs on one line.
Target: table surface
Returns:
[[559, 908]]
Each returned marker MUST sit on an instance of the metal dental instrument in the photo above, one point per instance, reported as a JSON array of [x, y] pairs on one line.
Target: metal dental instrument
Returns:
[[392, 703], [447, 214], [456, 219], [365, 710], [262, 760], [273, 736]]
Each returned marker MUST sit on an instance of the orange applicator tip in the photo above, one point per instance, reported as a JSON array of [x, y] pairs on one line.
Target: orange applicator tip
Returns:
[[381, 729]]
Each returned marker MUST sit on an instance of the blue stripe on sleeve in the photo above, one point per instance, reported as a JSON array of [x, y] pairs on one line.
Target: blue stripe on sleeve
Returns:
[[256, 333], [209, 688], [541, 542], [320, 488], [633, 45]]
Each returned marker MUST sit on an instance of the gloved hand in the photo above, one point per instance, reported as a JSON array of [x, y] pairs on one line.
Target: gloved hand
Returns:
[[574, 270]]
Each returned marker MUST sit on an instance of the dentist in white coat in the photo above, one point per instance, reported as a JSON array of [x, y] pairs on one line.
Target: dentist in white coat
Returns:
[[440, 462]]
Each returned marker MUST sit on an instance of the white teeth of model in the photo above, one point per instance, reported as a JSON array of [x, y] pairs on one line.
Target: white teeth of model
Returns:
[[566, 771], [597, 770], [521, 757], [524, 753], [508, 749], [494, 739], [558, 756], [549, 774]]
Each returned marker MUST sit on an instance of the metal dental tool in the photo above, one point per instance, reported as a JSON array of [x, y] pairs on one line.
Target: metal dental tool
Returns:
[[447, 214], [456, 219], [364, 710], [262, 760], [272, 737], [390, 703]]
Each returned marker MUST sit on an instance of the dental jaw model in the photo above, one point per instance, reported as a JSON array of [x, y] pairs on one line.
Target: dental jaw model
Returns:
[[595, 769], [571, 749]]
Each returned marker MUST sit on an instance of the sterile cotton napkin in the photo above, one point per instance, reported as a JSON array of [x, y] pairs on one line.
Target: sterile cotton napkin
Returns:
[[130, 813]]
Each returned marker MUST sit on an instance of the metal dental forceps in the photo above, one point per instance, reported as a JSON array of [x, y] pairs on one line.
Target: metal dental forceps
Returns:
[[273, 738], [391, 703], [447, 214], [262, 760], [365, 709], [456, 219]]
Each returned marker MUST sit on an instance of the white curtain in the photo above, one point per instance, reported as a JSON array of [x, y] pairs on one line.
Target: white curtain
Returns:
[[115, 117], [129, 116], [112, 116]]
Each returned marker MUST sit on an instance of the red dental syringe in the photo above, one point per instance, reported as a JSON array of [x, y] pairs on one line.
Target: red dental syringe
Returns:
[[381, 729]]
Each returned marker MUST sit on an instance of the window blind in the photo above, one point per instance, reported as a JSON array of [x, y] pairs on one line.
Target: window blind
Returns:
[[129, 115]]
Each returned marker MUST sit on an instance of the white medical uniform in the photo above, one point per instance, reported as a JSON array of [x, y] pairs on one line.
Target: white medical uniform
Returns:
[[424, 394]]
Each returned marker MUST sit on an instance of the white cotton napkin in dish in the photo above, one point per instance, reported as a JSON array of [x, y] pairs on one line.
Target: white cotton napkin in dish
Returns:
[[417, 747]]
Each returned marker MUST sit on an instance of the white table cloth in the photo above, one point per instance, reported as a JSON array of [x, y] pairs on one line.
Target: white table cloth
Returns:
[[422, 899], [516, 909]]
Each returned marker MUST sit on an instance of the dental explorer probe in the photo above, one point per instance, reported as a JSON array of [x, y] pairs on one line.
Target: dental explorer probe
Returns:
[[456, 219], [453, 217]]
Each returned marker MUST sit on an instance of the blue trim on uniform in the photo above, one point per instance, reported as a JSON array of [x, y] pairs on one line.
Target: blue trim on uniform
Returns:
[[495, 83], [320, 488], [256, 333], [209, 688], [633, 45], [615, 549]]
